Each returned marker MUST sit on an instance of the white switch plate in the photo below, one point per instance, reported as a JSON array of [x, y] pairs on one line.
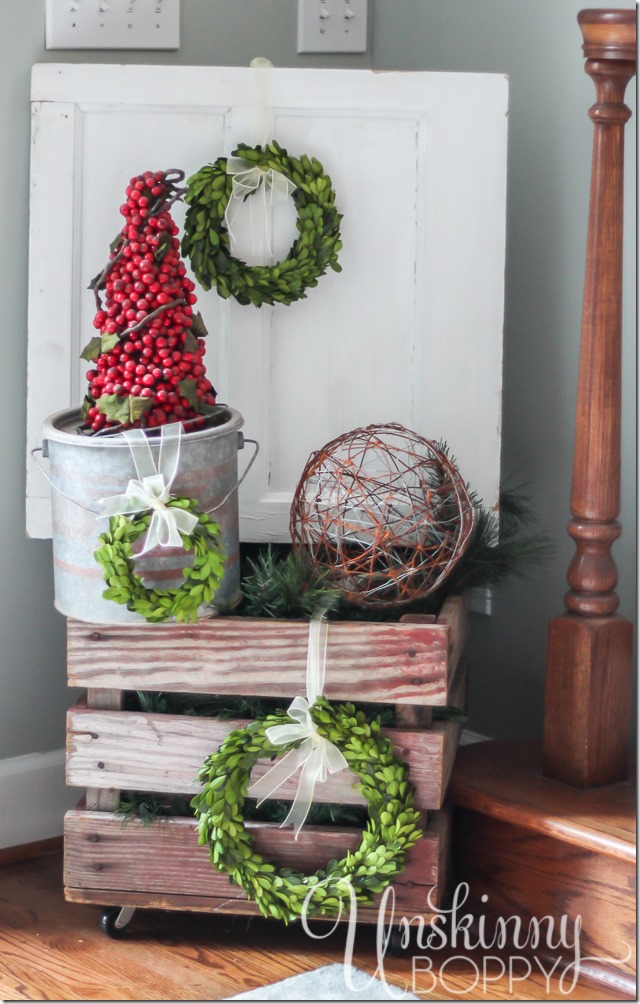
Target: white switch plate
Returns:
[[113, 24], [332, 25]]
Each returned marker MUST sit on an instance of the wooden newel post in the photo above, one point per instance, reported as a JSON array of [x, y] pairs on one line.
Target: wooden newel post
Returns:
[[589, 651]]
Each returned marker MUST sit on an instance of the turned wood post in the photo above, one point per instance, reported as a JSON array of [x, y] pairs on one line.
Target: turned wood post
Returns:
[[589, 650]]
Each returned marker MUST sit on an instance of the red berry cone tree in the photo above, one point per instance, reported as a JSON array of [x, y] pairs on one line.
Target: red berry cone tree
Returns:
[[148, 366]]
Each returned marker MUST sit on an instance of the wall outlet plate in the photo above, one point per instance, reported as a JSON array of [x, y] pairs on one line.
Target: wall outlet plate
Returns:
[[332, 25], [113, 24]]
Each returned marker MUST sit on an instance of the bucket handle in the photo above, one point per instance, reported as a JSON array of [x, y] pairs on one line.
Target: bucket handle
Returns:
[[45, 453], [241, 441]]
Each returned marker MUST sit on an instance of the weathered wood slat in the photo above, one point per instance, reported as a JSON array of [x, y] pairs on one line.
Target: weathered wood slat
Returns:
[[163, 865], [162, 753], [394, 909], [103, 798], [237, 907], [403, 663]]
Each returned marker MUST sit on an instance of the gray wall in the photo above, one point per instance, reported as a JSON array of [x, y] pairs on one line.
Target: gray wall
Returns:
[[538, 45]]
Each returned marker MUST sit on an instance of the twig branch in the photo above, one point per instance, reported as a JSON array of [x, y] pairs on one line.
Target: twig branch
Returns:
[[154, 313], [98, 282]]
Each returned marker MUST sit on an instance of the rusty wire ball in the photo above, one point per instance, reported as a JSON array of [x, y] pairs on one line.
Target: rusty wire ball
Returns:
[[385, 511]]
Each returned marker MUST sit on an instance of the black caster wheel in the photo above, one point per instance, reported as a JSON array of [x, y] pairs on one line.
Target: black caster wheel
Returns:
[[397, 943], [115, 920]]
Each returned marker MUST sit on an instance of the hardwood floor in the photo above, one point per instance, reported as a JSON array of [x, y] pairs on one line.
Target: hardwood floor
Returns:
[[53, 950]]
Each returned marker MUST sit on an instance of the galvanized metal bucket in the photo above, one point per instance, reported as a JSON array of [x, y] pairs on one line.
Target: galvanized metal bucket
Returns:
[[85, 469]]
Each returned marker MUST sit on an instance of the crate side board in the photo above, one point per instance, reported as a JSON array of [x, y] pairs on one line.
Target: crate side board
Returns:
[[458, 687], [455, 616], [106, 861], [139, 751], [399, 662], [393, 911]]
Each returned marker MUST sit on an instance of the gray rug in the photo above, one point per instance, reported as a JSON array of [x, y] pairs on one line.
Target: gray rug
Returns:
[[327, 984]]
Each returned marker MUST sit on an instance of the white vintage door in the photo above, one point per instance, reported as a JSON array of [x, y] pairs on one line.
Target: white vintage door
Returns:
[[410, 331]]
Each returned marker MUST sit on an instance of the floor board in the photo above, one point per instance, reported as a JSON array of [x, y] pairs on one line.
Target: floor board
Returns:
[[53, 950]]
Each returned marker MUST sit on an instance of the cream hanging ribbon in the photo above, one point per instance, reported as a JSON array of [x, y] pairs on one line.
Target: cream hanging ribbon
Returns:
[[275, 187], [151, 491], [316, 756]]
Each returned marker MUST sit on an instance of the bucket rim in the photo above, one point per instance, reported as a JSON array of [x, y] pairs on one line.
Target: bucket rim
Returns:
[[51, 431]]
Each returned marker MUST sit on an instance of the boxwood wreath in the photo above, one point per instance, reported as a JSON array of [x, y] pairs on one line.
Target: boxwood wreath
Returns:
[[206, 238], [126, 587], [280, 892]]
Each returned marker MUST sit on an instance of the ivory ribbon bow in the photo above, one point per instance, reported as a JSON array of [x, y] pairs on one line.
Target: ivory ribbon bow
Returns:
[[316, 755], [152, 489], [246, 180]]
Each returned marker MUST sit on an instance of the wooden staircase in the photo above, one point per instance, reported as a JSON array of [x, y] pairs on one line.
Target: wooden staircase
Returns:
[[537, 847], [548, 830]]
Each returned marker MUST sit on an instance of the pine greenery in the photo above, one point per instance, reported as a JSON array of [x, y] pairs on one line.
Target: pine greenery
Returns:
[[284, 584]]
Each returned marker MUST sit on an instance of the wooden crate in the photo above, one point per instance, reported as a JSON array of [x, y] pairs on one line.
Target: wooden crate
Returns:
[[414, 664]]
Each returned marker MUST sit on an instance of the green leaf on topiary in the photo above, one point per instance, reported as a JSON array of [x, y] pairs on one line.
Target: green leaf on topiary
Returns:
[[190, 342], [108, 341], [114, 407], [198, 327], [92, 349], [138, 406], [123, 409], [189, 390]]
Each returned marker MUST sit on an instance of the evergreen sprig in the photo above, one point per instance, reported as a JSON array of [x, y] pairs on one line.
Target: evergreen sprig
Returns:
[[504, 543], [148, 808], [218, 706], [287, 585], [224, 707]]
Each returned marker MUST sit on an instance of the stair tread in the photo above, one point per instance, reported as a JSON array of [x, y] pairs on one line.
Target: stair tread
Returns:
[[504, 779]]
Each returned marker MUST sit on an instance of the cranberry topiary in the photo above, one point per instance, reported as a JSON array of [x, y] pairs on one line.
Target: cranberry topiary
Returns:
[[148, 366]]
